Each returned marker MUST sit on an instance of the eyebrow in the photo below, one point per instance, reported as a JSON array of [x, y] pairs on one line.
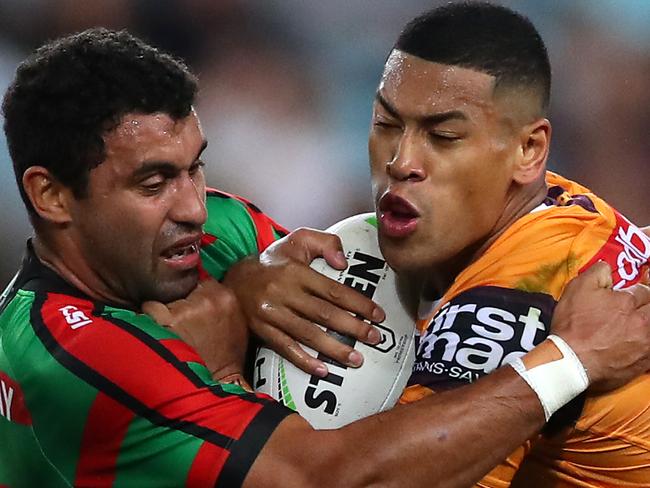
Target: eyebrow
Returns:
[[150, 167], [432, 119]]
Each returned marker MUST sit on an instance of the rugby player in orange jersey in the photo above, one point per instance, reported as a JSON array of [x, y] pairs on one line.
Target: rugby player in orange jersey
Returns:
[[458, 148]]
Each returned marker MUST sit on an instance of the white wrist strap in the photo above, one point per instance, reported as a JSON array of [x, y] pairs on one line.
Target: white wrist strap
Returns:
[[556, 382]]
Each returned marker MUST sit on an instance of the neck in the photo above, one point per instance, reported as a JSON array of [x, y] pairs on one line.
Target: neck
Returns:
[[522, 201], [68, 262]]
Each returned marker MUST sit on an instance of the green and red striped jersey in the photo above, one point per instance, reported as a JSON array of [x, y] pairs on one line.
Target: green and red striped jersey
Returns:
[[234, 230], [96, 395]]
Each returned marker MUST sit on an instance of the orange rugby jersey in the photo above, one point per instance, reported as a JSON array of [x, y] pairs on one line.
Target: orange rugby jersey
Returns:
[[501, 306]]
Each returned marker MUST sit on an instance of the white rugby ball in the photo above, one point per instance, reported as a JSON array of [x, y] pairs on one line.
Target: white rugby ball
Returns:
[[348, 394]]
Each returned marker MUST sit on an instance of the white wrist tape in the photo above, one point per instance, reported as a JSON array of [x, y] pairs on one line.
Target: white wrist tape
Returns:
[[556, 382]]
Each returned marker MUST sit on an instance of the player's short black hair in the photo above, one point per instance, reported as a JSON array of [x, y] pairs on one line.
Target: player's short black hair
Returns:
[[73, 90], [485, 37]]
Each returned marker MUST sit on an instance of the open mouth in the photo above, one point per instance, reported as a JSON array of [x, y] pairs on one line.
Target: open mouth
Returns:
[[397, 216], [183, 254], [180, 253]]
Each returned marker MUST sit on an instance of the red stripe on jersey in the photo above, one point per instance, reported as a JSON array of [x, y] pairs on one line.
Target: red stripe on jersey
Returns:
[[206, 467], [264, 225], [206, 240], [182, 350], [134, 367], [12, 401], [105, 429], [203, 274], [626, 251]]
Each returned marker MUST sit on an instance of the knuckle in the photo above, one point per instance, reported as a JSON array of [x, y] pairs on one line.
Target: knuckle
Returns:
[[309, 341], [310, 335], [228, 297], [324, 314], [627, 302], [301, 233], [293, 267], [334, 291], [270, 288]]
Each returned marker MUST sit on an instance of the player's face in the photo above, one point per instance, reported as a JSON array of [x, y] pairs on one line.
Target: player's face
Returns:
[[140, 225], [441, 161]]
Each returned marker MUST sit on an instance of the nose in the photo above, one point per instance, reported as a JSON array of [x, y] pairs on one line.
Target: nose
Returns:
[[407, 163], [189, 205]]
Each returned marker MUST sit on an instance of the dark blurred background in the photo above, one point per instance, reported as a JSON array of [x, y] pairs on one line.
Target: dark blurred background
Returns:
[[287, 86]]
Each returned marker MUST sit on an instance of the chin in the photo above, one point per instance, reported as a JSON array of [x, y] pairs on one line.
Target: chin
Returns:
[[398, 258], [405, 260], [175, 290]]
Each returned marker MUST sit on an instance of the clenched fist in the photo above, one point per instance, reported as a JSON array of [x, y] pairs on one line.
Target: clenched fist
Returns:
[[210, 320]]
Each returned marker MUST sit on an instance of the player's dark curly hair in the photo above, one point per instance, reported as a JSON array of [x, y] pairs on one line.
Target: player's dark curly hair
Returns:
[[73, 90], [484, 37]]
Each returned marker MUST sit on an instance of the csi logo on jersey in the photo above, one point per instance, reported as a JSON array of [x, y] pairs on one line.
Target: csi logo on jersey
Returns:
[[478, 331], [74, 317]]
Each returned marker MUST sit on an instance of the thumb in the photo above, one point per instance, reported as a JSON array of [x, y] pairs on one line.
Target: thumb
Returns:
[[315, 243], [598, 276], [159, 312], [329, 247]]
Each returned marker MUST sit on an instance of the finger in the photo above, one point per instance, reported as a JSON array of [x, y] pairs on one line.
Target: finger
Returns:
[[597, 276], [159, 312], [334, 318], [641, 294], [289, 349], [235, 379], [343, 296], [645, 276], [333, 345], [314, 243]]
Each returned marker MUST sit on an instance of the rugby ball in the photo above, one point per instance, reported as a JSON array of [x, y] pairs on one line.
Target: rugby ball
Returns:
[[348, 394]]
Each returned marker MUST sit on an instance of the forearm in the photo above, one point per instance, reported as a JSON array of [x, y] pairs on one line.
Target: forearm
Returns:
[[454, 437], [450, 439]]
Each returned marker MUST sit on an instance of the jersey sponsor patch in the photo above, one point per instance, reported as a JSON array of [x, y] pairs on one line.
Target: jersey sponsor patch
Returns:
[[74, 317], [627, 251], [478, 331], [12, 401]]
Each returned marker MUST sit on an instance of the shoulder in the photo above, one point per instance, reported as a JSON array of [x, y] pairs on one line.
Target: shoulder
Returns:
[[565, 235], [605, 234], [235, 229]]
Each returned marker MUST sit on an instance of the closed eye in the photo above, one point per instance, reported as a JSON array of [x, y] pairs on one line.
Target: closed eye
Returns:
[[198, 164], [384, 124], [153, 184], [444, 136]]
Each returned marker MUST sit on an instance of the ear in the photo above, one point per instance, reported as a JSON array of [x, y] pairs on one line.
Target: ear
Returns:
[[535, 143], [48, 196]]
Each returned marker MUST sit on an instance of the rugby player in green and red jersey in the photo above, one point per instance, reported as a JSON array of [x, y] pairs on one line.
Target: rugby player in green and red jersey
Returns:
[[106, 149]]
